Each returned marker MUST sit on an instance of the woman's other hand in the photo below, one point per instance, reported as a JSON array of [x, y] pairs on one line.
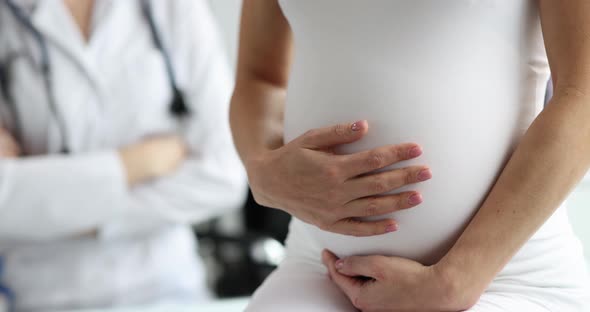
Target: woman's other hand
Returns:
[[308, 180], [153, 158], [379, 283], [9, 147]]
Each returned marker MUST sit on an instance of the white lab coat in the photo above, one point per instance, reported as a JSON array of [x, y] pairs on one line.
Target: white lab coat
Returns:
[[110, 92]]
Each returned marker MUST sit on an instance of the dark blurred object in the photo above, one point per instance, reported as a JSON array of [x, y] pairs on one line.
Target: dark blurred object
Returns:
[[267, 221], [238, 263]]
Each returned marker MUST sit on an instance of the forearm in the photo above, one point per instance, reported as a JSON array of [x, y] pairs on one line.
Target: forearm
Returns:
[[70, 194], [551, 158], [134, 165], [199, 191], [256, 117]]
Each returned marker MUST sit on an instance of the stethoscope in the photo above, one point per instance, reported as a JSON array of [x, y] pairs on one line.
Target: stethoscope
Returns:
[[177, 106]]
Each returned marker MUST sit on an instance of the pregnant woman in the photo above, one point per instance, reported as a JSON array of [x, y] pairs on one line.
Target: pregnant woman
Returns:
[[449, 94]]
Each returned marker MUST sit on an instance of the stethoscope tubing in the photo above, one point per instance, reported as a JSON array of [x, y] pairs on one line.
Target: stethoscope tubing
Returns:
[[46, 70], [178, 106]]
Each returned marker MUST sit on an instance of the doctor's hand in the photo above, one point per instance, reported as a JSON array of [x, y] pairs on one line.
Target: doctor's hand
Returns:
[[9, 147], [153, 158], [309, 181], [379, 283]]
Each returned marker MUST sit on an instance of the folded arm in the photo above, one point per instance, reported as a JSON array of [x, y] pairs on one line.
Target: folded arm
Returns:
[[54, 196], [210, 182]]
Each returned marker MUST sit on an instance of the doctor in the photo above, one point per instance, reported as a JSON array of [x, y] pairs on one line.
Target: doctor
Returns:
[[114, 138]]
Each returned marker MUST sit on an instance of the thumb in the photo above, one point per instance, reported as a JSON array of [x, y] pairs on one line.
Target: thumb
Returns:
[[374, 267], [334, 135]]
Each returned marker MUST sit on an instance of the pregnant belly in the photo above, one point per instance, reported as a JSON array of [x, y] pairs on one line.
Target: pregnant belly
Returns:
[[456, 77], [468, 127], [465, 145]]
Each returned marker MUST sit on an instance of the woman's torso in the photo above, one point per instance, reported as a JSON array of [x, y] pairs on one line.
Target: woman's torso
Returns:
[[462, 78]]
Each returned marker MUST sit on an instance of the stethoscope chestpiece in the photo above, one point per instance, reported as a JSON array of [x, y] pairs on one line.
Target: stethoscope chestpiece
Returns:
[[178, 107]]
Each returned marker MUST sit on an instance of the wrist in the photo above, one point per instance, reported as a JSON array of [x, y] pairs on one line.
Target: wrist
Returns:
[[260, 179], [453, 288], [461, 286], [254, 161], [136, 164]]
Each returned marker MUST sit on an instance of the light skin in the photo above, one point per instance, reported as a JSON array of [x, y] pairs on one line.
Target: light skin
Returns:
[[149, 159], [81, 12], [9, 147], [337, 188], [551, 158], [152, 158]]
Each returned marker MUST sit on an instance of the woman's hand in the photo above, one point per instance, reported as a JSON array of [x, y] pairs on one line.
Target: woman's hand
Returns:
[[306, 179], [152, 158], [379, 283], [9, 147]]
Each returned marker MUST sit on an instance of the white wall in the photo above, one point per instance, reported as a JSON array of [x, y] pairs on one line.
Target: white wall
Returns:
[[227, 12], [228, 17]]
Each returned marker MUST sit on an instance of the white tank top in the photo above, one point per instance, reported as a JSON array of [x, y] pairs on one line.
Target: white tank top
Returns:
[[462, 78]]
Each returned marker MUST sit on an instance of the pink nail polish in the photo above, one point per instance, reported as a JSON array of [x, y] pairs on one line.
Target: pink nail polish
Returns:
[[415, 152], [339, 264], [424, 175], [415, 199], [391, 228], [357, 126]]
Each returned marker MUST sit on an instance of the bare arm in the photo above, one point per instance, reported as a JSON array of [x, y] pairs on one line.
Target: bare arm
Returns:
[[265, 55], [552, 157]]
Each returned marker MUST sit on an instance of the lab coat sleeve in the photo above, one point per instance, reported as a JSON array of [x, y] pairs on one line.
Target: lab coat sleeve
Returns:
[[212, 181], [49, 197]]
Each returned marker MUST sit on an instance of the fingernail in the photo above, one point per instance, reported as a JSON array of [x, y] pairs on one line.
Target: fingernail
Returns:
[[424, 175], [357, 126], [415, 152], [391, 228], [415, 199], [339, 264]]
